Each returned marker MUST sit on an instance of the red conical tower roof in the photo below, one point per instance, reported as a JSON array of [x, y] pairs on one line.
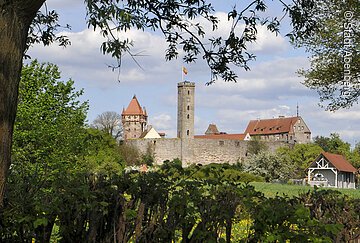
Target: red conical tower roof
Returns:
[[134, 108]]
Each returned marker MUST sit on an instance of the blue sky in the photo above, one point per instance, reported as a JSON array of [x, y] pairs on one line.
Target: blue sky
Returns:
[[270, 89]]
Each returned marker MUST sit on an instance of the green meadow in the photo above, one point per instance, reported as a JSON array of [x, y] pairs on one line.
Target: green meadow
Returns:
[[273, 189]]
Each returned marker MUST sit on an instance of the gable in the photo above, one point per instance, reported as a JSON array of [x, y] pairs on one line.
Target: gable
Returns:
[[329, 160], [150, 133]]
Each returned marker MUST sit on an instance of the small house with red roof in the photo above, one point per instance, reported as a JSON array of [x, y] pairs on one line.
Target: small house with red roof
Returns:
[[283, 129], [331, 170]]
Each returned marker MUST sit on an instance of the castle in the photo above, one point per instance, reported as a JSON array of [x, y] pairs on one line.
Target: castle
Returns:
[[213, 146]]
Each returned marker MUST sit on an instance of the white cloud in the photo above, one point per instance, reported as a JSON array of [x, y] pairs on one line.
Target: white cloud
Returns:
[[162, 121]]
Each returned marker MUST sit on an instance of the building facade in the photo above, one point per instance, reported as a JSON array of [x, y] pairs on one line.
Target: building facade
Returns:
[[285, 129], [331, 170]]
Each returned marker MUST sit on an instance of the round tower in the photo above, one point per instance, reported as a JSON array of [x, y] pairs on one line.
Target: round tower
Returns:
[[185, 119]]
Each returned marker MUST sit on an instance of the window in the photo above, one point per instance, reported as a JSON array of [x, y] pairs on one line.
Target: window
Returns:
[[188, 107], [221, 143], [188, 92], [188, 116], [187, 132]]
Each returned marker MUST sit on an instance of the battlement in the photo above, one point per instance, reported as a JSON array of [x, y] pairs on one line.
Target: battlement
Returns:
[[186, 83]]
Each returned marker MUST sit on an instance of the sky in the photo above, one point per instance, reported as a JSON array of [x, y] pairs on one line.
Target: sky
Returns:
[[270, 89]]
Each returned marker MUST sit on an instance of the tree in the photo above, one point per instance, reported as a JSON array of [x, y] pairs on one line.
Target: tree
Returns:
[[61, 171], [333, 144], [109, 122], [334, 47], [21, 24], [301, 155], [49, 128], [256, 145], [270, 166]]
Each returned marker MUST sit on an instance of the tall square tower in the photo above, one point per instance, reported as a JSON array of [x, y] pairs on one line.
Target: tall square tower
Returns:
[[186, 106]]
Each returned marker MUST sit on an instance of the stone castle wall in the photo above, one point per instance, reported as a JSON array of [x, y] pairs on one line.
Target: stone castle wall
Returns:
[[162, 148], [197, 151]]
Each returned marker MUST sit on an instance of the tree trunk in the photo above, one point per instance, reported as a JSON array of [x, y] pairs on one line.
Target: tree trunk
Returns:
[[15, 19], [139, 221]]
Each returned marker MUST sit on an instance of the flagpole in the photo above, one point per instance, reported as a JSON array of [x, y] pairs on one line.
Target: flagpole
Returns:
[[182, 74]]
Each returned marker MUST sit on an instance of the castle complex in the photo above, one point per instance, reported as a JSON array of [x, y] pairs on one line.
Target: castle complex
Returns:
[[213, 146]]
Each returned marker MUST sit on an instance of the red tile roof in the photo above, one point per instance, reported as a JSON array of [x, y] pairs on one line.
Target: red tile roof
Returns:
[[339, 162], [222, 136], [271, 126], [134, 108]]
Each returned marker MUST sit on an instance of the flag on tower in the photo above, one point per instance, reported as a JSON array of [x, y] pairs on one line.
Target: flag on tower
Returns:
[[185, 71]]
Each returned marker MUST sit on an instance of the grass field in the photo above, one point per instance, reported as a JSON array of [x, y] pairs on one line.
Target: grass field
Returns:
[[273, 189]]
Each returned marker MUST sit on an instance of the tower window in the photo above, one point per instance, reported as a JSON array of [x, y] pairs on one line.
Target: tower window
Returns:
[[188, 116], [188, 92], [188, 107], [187, 132]]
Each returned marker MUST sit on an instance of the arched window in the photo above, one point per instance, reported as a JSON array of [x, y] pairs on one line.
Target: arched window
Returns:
[[188, 116], [188, 107], [188, 92], [187, 132]]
